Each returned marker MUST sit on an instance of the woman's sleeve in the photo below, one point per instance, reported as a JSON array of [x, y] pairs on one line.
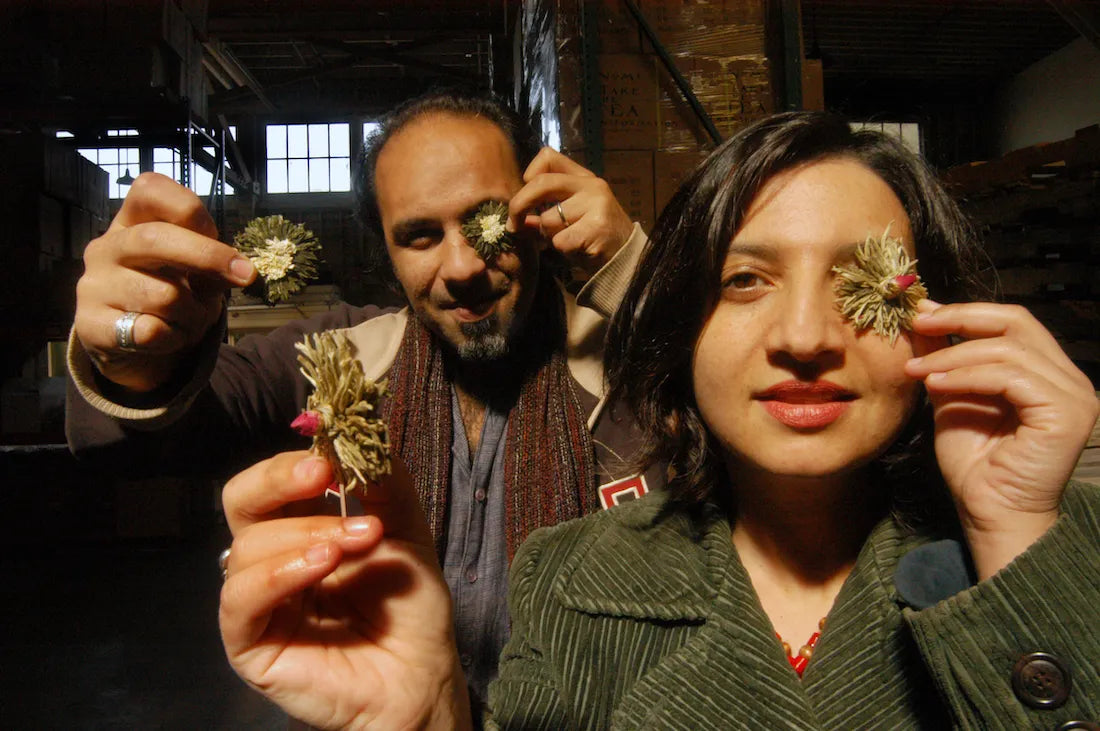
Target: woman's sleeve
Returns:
[[525, 694], [1022, 648]]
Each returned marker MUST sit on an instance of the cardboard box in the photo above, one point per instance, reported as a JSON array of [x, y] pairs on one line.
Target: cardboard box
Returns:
[[733, 91], [706, 27], [670, 170], [630, 175], [813, 85], [628, 96]]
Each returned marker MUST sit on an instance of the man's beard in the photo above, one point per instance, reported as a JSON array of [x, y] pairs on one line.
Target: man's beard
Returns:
[[484, 340]]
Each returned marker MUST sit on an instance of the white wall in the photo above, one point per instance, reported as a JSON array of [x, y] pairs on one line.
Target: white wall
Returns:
[[1052, 98]]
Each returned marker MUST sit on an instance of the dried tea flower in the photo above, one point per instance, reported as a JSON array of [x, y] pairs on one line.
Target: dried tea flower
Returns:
[[343, 414], [882, 288], [486, 229], [285, 255]]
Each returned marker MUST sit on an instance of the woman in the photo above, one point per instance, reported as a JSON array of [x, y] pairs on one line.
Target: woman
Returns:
[[910, 498]]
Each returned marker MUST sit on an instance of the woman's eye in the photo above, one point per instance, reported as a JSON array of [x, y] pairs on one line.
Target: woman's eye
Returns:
[[743, 280]]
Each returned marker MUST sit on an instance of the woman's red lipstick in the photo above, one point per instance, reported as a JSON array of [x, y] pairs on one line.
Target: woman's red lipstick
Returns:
[[805, 405]]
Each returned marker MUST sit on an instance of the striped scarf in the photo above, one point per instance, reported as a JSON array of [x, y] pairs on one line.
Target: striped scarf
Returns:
[[549, 474]]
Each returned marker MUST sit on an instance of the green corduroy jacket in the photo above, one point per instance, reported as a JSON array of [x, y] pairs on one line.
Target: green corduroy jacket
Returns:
[[623, 620]]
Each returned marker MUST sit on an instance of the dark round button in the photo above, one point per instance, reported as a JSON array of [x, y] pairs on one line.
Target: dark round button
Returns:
[[1079, 726], [1041, 680]]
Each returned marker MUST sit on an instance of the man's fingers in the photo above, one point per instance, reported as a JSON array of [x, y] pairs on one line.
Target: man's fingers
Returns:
[[393, 499], [156, 246], [543, 192], [262, 491], [156, 197], [549, 160]]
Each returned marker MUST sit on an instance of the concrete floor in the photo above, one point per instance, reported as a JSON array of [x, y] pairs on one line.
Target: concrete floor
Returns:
[[119, 635]]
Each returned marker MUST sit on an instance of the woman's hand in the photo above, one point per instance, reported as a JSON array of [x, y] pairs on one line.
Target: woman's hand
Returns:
[[573, 208], [343, 622], [1012, 416]]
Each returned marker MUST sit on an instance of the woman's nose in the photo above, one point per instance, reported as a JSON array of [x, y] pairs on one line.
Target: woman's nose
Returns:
[[807, 325]]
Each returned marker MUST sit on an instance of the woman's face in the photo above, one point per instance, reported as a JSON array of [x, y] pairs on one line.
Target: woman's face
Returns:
[[781, 378]]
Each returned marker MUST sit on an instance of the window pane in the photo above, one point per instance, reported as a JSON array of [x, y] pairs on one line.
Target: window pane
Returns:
[[162, 154], [297, 176], [132, 157], [165, 168], [910, 135], [369, 128], [340, 136], [318, 140], [108, 157], [276, 176], [89, 154], [318, 176], [341, 175], [201, 179], [296, 145], [276, 140]]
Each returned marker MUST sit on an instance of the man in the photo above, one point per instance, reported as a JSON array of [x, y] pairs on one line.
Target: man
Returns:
[[494, 372]]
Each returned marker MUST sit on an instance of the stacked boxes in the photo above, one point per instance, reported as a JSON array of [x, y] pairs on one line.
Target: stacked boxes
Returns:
[[651, 137]]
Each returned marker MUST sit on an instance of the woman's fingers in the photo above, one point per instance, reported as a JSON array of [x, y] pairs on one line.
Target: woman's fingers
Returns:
[[259, 541], [250, 596], [1002, 350], [262, 491]]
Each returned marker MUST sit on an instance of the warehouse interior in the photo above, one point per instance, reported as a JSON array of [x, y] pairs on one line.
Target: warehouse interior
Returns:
[[260, 106]]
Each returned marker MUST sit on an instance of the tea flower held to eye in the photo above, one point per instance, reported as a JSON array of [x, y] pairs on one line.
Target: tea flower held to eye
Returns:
[[880, 290]]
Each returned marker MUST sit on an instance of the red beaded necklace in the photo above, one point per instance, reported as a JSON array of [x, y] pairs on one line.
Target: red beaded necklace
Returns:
[[802, 659]]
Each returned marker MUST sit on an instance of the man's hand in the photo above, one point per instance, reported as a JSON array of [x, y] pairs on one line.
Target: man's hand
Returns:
[[161, 259], [574, 209], [343, 622]]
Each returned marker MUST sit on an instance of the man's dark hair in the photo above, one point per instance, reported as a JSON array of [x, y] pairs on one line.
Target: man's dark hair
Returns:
[[652, 337], [523, 139]]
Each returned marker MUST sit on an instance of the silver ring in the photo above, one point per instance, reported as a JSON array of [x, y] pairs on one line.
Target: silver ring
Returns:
[[223, 563], [124, 331], [564, 220]]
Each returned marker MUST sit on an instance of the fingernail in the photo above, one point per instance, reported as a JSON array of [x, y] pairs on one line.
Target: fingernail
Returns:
[[308, 469], [316, 555], [242, 268], [935, 376], [357, 525], [915, 361]]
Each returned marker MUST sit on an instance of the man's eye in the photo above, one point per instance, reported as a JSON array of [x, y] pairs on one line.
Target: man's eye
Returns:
[[418, 239]]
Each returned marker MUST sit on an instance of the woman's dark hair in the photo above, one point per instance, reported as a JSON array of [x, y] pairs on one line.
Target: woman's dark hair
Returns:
[[525, 143], [652, 337]]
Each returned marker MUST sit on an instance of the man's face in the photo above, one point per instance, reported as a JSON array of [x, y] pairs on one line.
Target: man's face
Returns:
[[429, 176]]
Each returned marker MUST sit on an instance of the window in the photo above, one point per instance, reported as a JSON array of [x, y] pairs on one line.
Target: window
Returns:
[[369, 128], [117, 161], [907, 132], [308, 158], [166, 161]]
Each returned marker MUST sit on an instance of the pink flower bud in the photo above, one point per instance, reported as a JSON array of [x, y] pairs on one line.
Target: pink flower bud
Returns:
[[904, 280], [307, 423]]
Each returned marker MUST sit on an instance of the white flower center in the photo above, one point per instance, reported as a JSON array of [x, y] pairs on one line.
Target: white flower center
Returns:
[[492, 228], [276, 259]]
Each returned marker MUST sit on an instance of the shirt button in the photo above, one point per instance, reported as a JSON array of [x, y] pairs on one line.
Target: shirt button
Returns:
[[471, 574], [479, 494], [1041, 680], [465, 660]]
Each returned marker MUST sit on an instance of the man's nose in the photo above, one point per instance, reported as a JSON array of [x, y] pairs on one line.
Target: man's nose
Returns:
[[460, 260]]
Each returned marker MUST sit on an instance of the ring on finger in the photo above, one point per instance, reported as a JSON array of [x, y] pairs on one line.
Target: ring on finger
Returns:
[[124, 331], [561, 213], [223, 562]]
